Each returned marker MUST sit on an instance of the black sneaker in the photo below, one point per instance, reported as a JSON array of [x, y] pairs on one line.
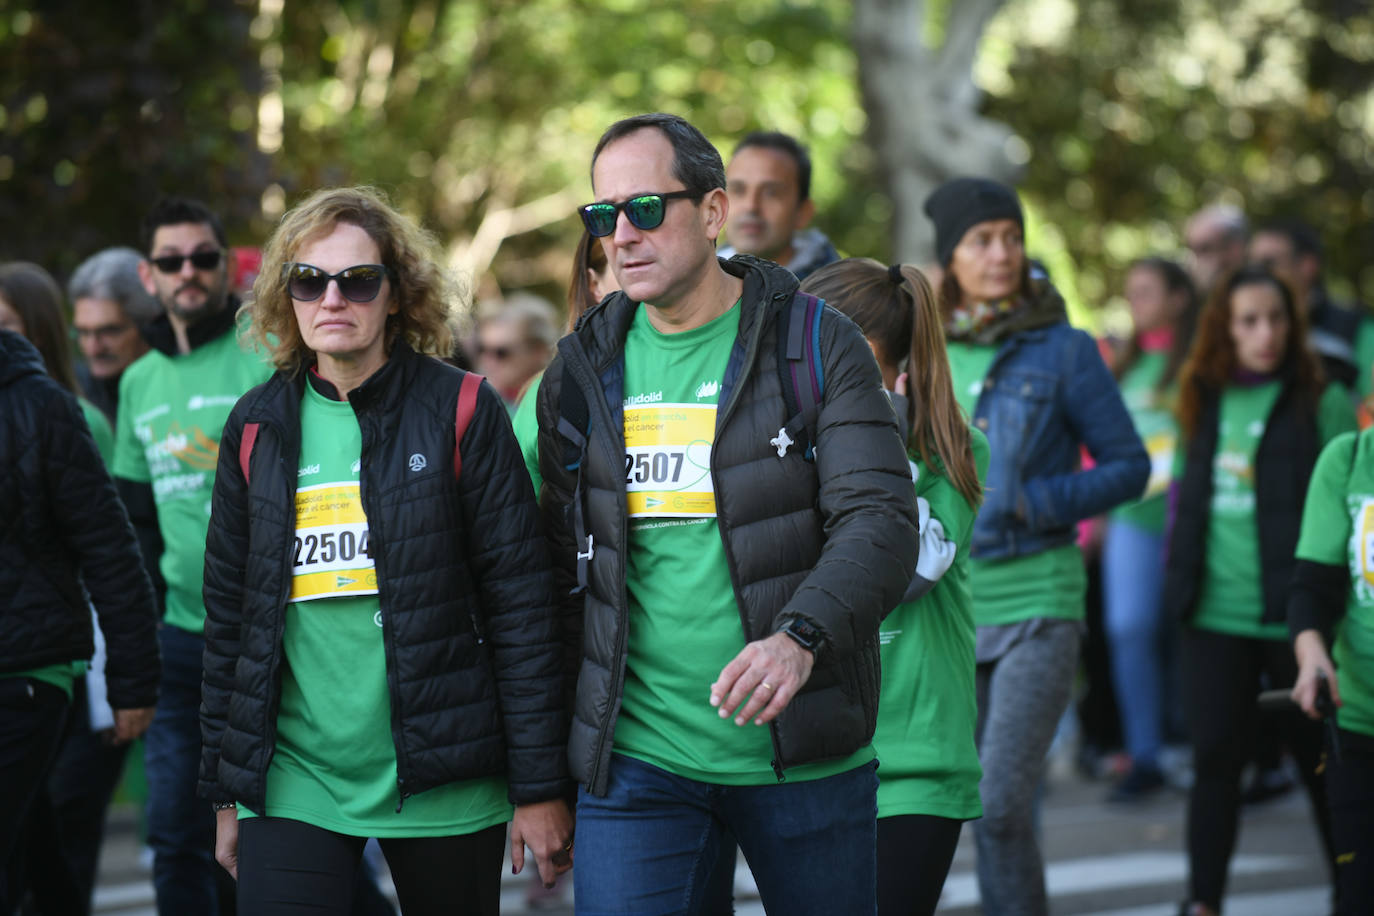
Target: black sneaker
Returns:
[[1141, 782]]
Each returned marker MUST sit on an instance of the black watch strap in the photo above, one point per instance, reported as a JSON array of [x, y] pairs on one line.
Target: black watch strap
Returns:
[[804, 635]]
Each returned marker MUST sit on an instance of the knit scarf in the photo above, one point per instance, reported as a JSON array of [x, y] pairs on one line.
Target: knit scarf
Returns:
[[993, 322]]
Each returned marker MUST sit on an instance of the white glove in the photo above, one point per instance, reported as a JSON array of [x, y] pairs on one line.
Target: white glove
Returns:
[[923, 512], [937, 553]]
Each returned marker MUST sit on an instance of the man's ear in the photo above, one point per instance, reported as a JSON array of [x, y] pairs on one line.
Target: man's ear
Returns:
[[145, 276], [804, 215], [715, 207]]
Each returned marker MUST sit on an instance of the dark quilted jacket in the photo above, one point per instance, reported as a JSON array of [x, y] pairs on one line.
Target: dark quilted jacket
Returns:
[[62, 525], [831, 542], [472, 646]]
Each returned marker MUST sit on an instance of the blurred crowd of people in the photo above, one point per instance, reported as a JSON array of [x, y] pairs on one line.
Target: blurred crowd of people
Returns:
[[750, 547]]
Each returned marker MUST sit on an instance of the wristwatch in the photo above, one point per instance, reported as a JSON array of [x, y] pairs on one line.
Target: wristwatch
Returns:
[[805, 635]]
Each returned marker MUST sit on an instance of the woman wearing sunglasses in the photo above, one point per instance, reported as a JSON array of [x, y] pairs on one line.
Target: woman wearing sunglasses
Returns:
[[1039, 390], [381, 655]]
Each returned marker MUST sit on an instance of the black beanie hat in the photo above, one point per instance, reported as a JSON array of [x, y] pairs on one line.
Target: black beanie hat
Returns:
[[956, 206]]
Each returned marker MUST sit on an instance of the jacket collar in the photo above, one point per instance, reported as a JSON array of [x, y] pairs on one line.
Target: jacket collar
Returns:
[[603, 328], [162, 338]]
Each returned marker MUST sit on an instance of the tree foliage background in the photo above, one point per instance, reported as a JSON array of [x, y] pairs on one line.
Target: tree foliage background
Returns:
[[479, 116]]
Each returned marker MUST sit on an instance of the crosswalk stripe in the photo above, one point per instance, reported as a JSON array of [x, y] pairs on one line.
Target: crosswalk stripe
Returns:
[[1080, 876]]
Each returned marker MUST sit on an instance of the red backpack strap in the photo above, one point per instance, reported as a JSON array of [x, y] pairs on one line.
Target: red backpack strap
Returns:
[[467, 406], [250, 435]]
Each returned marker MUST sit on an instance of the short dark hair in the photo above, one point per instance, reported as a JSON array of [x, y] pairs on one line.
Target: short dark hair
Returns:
[[1300, 235], [783, 143], [696, 163], [172, 211]]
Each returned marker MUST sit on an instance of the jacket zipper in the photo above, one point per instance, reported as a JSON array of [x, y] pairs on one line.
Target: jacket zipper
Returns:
[[279, 630]]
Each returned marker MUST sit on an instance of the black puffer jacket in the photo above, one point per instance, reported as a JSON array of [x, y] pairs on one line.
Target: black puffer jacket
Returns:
[[831, 542], [472, 648], [62, 525]]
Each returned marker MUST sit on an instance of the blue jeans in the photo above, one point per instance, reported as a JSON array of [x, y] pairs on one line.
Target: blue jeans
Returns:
[[1132, 583], [181, 827], [648, 847]]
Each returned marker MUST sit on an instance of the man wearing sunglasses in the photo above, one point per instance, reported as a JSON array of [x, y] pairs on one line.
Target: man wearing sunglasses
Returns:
[[769, 183], [728, 588], [172, 407]]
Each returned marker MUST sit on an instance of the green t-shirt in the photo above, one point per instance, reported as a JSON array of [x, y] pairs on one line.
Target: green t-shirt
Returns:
[[1152, 413], [1231, 599], [684, 622], [1364, 357], [927, 758], [334, 764], [968, 367], [61, 675], [171, 415], [526, 425], [100, 430], [1338, 529]]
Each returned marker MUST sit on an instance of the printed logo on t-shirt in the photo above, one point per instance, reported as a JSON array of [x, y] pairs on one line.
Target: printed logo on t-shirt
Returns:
[[668, 460], [1362, 545], [709, 389]]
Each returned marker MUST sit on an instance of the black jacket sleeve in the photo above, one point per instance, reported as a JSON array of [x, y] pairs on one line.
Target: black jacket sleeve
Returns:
[[510, 566], [97, 530], [1317, 598], [555, 501], [226, 552], [138, 501]]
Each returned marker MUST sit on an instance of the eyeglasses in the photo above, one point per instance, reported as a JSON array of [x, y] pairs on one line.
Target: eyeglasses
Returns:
[[105, 332], [359, 283], [644, 212], [200, 260], [500, 352]]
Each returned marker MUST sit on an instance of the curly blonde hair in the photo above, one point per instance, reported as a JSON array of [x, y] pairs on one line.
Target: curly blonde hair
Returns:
[[420, 286]]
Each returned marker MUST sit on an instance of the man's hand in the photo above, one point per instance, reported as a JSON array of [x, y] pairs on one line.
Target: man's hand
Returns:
[[227, 840], [547, 827], [1313, 659], [131, 723], [769, 672]]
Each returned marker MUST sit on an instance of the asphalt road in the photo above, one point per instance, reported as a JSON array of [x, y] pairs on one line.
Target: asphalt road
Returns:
[[1101, 859]]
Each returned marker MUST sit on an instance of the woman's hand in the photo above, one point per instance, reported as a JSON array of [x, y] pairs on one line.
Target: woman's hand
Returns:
[[1313, 661], [547, 828], [227, 840]]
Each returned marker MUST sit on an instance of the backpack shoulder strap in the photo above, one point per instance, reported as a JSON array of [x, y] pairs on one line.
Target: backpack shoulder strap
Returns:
[[467, 406], [800, 374], [250, 435]]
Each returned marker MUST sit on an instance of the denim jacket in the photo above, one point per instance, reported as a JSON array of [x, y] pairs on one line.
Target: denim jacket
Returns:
[[1046, 393]]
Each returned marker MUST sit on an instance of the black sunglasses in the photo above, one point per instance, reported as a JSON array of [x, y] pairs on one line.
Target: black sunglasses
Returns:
[[200, 260], [644, 212], [359, 283]]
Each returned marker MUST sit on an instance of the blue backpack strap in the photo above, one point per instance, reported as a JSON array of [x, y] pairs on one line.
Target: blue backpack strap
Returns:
[[574, 422], [800, 374]]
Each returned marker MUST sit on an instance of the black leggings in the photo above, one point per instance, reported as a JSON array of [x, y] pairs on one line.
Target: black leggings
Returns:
[[290, 867], [1221, 678], [914, 855], [1350, 793]]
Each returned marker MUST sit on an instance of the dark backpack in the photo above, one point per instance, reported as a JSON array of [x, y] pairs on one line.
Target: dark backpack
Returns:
[[803, 387]]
